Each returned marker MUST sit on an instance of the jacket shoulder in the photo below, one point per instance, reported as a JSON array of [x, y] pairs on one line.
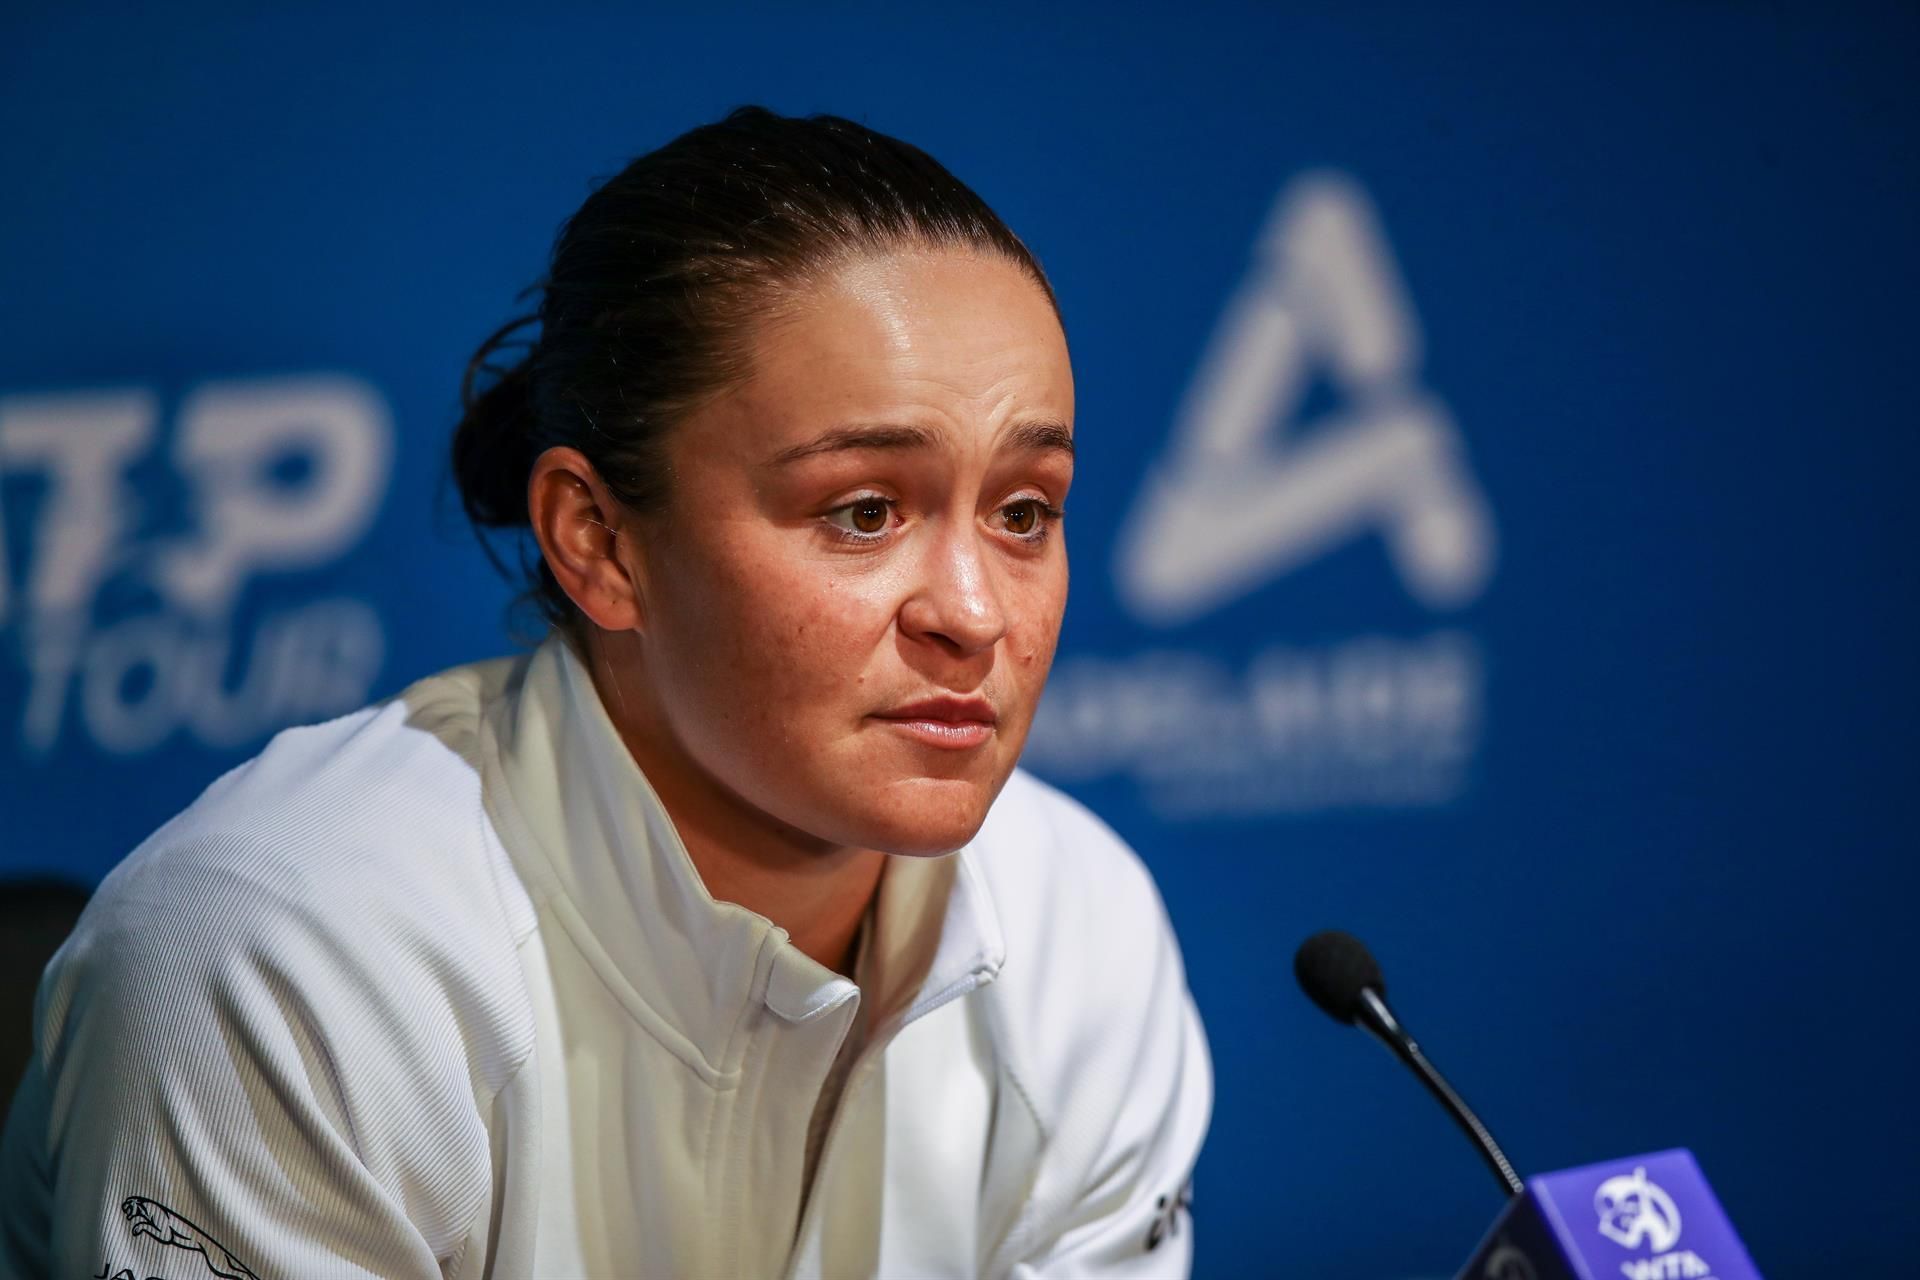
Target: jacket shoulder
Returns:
[[1069, 891], [371, 825], [340, 903], [411, 758]]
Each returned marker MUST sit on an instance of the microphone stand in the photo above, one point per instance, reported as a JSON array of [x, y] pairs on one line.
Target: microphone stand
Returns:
[[1378, 1019]]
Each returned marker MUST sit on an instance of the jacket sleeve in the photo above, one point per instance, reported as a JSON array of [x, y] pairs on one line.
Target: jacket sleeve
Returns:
[[208, 1055]]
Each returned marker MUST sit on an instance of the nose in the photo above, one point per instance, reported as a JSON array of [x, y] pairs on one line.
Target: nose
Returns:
[[955, 604]]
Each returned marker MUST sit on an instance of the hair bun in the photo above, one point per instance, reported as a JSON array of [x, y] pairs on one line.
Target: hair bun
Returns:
[[494, 446]]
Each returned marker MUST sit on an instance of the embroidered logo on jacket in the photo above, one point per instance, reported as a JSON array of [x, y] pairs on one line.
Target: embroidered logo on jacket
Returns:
[[1166, 1221], [151, 1218]]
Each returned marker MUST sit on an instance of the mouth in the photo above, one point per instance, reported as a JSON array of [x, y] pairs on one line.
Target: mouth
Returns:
[[956, 724]]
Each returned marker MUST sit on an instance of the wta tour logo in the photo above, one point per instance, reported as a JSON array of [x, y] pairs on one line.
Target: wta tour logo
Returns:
[[1635, 1213], [1256, 482], [119, 615]]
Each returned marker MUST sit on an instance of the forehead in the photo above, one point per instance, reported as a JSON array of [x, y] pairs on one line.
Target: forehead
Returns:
[[958, 343]]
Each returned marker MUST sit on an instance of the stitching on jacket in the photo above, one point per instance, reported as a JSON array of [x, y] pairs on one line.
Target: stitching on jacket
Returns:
[[643, 1014]]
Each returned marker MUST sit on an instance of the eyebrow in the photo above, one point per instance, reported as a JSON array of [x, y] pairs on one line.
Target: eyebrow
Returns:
[[1041, 436], [1045, 436]]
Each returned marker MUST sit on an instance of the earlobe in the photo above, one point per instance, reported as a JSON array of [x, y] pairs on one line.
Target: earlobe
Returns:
[[579, 525]]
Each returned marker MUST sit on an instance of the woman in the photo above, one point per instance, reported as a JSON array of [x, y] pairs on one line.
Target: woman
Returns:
[[719, 936]]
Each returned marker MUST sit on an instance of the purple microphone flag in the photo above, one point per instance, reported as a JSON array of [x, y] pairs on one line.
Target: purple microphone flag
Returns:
[[1649, 1217]]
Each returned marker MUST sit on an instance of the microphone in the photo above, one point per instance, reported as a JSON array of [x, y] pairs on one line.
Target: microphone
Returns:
[[1624, 1217], [1340, 975]]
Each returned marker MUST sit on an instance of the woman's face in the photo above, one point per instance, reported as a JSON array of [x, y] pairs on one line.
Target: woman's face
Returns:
[[850, 602]]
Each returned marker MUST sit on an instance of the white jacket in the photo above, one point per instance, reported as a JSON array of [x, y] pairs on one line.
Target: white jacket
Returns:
[[433, 990]]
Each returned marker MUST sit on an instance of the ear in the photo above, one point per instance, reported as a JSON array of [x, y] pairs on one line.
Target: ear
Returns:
[[585, 534]]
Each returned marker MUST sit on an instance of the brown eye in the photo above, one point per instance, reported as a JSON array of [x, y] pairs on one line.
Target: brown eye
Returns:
[[1021, 517], [868, 519]]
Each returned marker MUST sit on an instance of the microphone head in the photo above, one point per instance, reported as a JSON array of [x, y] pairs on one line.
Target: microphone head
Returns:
[[1333, 967]]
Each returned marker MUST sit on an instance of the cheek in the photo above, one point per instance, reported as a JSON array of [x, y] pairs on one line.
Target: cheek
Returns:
[[1044, 605], [761, 636], [1032, 638], [1030, 650]]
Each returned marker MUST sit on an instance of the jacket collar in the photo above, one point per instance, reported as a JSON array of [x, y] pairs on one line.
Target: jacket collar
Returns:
[[588, 829]]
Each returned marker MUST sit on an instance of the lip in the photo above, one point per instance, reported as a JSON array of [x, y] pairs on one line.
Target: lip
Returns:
[[953, 723], [947, 708]]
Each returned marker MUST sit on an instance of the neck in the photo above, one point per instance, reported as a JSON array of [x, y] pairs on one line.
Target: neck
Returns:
[[815, 890]]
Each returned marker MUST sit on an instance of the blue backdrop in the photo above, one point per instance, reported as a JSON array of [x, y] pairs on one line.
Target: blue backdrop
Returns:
[[1496, 433]]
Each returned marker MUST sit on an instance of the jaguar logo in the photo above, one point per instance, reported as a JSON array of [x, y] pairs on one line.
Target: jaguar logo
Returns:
[[151, 1218]]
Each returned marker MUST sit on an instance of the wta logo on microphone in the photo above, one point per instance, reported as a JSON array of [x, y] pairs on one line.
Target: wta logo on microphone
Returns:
[[1635, 1213]]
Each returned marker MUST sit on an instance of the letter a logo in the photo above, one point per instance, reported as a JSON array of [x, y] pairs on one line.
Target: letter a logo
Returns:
[[1236, 503]]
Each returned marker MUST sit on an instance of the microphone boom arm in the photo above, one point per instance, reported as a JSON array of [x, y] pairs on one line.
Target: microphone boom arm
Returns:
[[1377, 1018]]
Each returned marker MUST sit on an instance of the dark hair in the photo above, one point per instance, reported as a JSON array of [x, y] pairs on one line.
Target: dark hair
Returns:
[[656, 283]]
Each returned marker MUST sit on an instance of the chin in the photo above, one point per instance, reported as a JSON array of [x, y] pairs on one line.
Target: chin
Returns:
[[924, 817]]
